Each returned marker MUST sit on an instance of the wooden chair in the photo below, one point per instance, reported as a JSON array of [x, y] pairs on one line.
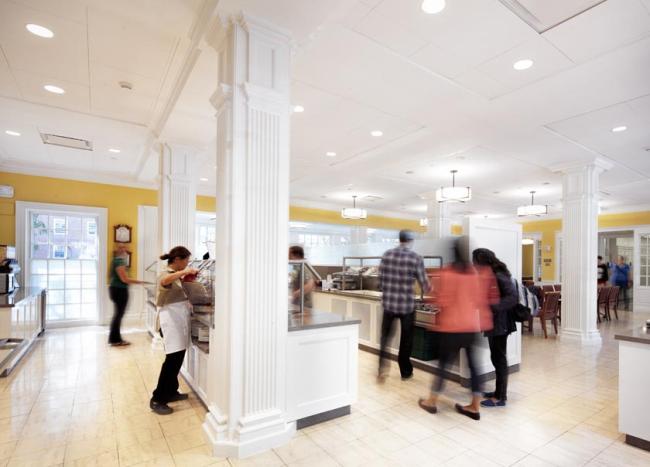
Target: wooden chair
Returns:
[[547, 288], [612, 301], [557, 287], [549, 311], [603, 303]]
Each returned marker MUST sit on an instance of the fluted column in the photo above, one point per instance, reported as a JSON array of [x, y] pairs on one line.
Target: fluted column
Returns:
[[580, 249], [438, 221], [247, 373]]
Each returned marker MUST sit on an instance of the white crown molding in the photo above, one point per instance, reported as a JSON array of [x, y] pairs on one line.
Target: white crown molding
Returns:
[[572, 166]]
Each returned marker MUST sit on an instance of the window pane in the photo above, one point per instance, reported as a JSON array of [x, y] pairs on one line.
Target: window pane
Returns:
[[58, 251], [89, 296], [73, 267], [75, 250], [55, 297], [55, 282], [55, 312], [56, 267], [38, 281], [72, 296], [40, 251], [89, 282], [73, 281], [88, 310], [39, 267], [72, 311], [88, 267]]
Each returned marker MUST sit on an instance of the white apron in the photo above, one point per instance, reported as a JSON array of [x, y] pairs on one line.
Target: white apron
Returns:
[[175, 325]]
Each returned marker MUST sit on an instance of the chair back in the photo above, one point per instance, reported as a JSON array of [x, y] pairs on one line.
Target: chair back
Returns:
[[557, 287], [547, 288], [612, 297], [603, 295], [551, 305]]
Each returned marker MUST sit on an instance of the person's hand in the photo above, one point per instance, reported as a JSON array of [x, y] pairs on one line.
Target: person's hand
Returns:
[[193, 271]]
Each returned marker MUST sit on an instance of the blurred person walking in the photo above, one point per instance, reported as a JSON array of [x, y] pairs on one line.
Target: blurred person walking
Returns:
[[399, 269], [621, 278], [118, 291], [503, 324], [463, 298]]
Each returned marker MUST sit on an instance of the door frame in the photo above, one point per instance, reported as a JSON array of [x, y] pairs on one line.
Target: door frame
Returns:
[[23, 208]]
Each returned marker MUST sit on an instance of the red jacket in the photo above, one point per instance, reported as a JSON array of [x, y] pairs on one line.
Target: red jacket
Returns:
[[464, 299]]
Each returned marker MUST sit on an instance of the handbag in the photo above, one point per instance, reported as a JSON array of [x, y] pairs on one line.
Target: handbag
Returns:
[[521, 311]]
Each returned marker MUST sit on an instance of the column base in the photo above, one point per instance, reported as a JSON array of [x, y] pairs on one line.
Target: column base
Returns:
[[584, 337], [250, 438]]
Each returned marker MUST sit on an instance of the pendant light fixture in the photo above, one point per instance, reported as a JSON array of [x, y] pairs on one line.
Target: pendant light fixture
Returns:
[[532, 209], [457, 194], [354, 212], [424, 222]]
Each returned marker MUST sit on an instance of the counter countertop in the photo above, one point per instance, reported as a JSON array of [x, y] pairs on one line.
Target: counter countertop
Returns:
[[364, 294], [637, 334], [317, 319], [18, 295]]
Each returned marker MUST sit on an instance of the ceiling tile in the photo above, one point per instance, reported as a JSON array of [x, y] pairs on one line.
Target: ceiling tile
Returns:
[[389, 34], [76, 96], [603, 28]]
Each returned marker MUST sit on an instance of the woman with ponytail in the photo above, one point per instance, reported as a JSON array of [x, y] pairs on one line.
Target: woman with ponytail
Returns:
[[174, 315]]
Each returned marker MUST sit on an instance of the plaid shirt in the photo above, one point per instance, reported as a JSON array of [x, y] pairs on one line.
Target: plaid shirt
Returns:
[[399, 269]]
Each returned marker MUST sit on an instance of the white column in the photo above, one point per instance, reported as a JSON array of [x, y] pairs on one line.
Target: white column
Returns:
[[580, 249], [176, 203], [439, 224], [247, 363], [176, 197]]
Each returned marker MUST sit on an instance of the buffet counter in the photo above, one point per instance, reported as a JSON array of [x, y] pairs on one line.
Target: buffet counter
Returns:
[[365, 306], [322, 366], [21, 321], [633, 383]]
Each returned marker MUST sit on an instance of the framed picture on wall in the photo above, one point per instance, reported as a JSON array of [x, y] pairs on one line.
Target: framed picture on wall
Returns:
[[127, 259], [122, 233]]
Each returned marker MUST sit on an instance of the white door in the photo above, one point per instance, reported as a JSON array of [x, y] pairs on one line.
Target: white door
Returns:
[[641, 270]]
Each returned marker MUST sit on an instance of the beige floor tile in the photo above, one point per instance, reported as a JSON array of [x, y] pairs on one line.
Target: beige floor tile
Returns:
[[385, 442], [330, 437], [620, 454], [533, 461], [171, 426], [167, 461], [7, 448], [39, 458], [104, 459], [267, 459], [187, 440], [142, 452], [321, 459], [196, 457], [440, 449], [469, 458], [137, 435], [298, 449], [355, 453], [93, 447]]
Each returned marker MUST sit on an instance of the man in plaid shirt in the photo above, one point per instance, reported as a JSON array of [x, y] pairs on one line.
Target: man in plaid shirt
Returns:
[[398, 271]]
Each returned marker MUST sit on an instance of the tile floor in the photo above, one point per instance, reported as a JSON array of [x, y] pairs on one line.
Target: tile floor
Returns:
[[75, 401]]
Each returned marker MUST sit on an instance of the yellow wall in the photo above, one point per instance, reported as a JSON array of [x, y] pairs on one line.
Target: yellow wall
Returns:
[[121, 202], [527, 258], [302, 214], [206, 203], [549, 228]]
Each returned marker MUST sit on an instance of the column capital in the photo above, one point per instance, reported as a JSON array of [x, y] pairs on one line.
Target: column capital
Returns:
[[599, 163]]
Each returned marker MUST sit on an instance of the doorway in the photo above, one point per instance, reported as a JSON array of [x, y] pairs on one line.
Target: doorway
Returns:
[[615, 244]]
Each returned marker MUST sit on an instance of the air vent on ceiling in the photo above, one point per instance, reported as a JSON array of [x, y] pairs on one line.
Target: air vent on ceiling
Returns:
[[67, 142], [371, 198], [606, 193], [543, 15]]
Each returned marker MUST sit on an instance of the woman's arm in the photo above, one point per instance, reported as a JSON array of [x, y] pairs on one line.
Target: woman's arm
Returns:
[[171, 277], [124, 277], [508, 294]]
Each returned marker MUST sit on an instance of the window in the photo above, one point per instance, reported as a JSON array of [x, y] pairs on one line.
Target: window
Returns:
[[63, 257], [644, 258], [205, 234]]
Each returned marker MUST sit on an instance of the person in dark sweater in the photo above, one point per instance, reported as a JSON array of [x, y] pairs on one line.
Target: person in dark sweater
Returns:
[[503, 324]]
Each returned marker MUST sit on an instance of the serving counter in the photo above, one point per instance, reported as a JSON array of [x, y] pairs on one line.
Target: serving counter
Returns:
[[633, 383], [21, 321], [365, 306], [322, 366]]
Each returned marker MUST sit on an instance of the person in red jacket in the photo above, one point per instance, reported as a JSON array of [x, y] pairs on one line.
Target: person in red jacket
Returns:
[[464, 297]]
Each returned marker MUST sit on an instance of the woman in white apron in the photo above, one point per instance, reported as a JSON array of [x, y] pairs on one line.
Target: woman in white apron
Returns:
[[174, 317]]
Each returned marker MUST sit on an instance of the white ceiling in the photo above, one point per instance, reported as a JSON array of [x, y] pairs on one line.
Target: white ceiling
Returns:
[[441, 88]]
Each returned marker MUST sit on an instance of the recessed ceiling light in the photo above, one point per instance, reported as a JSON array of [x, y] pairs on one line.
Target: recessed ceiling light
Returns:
[[298, 109], [377, 133], [54, 89], [618, 129], [432, 7], [546, 183], [40, 31], [203, 179], [12, 133], [409, 172], [114, 150], [330, 154], [522, 64]]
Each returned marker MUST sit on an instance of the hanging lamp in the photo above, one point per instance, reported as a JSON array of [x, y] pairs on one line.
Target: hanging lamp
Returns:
[[354, 212], [532, 209], [453, 193]]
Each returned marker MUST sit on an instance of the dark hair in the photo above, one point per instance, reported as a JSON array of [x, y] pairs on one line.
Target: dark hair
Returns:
[[176, 252], [600, 257], [460, 249], [406, 236], [485, 257], [297, 251]]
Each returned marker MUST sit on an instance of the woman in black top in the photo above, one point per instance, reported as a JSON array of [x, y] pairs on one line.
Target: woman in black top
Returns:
[[503, 324]]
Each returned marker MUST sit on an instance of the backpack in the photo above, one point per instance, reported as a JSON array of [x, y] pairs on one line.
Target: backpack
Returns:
[[527, 305]]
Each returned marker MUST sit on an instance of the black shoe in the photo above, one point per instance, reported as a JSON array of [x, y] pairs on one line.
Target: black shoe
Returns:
[[406, 378], [489, 395], [178, 397], [473, 415], [160, 409]]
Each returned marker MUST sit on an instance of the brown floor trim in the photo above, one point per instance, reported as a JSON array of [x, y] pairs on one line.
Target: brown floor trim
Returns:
[[637, 442]]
